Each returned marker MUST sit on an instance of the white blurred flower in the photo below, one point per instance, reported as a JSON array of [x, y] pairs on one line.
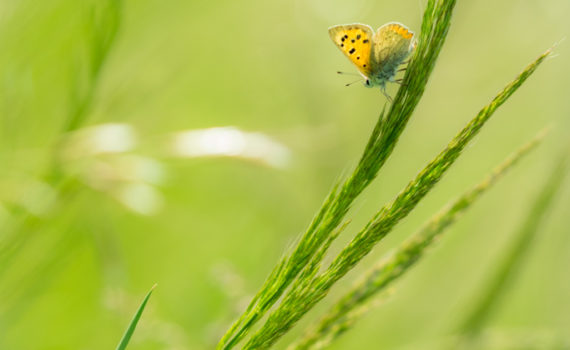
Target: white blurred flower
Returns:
[[100, 139], [103, 173], [98, 156], [139, 197], [230, 142], [101, 157]]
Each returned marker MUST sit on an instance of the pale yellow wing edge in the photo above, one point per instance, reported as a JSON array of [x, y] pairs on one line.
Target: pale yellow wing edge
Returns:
[[333, 30]]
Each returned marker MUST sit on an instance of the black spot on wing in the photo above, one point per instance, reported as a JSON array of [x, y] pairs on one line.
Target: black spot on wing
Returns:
[[352, 51]]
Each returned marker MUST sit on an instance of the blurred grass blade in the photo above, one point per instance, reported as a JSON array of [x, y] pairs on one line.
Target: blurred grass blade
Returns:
[[436, 22], [102, 28], [353, 304], [103, 23], [130, 330], [527, 339], [511, 262], [297, 303]]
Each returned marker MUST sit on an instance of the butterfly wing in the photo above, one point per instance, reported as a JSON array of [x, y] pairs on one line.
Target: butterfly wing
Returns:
[[355, 40], [392, 44]]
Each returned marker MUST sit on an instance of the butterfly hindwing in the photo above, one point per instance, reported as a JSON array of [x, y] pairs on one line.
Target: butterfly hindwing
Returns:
[[393, 42], [355, 40]]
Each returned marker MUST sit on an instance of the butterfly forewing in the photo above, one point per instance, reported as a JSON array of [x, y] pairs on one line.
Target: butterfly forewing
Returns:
[[355, 40]]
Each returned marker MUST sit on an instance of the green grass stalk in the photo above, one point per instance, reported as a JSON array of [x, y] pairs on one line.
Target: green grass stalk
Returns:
[[298, 302], [384, 137], [348, 309]]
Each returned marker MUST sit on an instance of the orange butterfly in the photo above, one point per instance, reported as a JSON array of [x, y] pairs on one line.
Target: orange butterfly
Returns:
[[377, 56]]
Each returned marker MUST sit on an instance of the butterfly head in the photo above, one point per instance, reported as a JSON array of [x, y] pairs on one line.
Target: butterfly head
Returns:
[[374, 81]]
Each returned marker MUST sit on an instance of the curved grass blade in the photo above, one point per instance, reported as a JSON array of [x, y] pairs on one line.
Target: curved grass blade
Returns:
[[297, 303], [361, 298], [436, 22], [102, 28], [131, 329]]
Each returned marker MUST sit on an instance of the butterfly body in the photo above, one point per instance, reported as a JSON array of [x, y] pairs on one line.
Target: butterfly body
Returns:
[[376, 55]]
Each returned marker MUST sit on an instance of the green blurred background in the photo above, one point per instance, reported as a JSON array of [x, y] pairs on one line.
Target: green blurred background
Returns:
[[92, 219]]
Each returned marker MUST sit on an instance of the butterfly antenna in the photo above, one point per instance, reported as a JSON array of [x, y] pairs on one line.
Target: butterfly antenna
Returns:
[[356, 81], [346, 73]]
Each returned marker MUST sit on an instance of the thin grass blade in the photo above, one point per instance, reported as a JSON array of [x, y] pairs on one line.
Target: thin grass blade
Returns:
[[131, 329]]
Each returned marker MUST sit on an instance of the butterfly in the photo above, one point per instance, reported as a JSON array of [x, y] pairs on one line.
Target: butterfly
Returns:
[[376, 55]]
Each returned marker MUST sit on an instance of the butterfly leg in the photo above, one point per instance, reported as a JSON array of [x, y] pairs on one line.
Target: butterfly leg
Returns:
[[383, 89], [406, 67], [399, 82]]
